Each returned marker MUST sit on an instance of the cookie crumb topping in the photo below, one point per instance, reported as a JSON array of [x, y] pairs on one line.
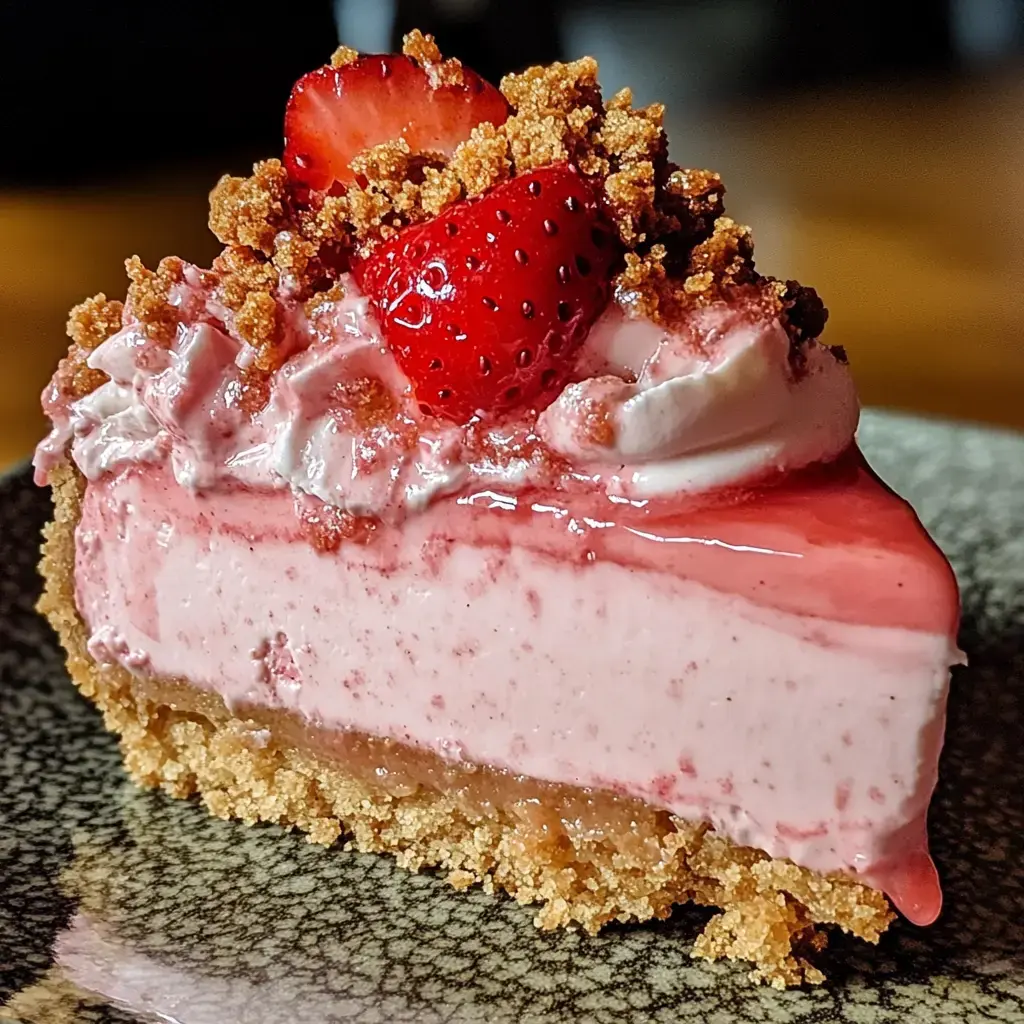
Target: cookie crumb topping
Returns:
[[149, 296], [343, 55], [94, 320], [250, 211], [677, 248], [425, 52]]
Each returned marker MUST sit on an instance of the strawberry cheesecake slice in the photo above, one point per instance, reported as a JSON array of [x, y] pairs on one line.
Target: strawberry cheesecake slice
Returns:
[[484, 506]]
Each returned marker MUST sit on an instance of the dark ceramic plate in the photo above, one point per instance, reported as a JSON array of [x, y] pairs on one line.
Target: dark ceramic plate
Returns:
[[119, 905]]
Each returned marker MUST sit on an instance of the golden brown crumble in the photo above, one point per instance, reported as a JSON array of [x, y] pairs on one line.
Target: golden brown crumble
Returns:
[[723, 261], [597, 423], [256, 323], [255, 389], [343, 55], [323, 301], [424, 51], [93, 321], [421, 47], [149, 295], [241, 271], [74, 378], [679, 250], [440, 188], [556, 107], [90, 323], [327, 527], [250, 211], [292, 253], [482, 160], [366, 401]]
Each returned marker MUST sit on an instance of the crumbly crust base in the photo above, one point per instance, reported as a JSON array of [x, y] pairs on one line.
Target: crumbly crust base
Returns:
[[770, 910]]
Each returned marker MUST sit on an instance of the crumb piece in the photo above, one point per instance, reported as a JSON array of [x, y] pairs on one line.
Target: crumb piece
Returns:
[[371, 214], [440, 188], [256, 323], [292, 253], [804, 314], [641, 286], [387, 194], [691, 202], [632, 144], [423, 49], [94, 320], [482, 160], [343, 55], [556, 108], [628, 135], [365, 401], [722, 261], [250, 211], [597, 424], [630, 194], [149, 295], [74, 378], [241, 271], [255, 389], [315, 305], [384, 166], [646, 288], [328, 222], [327, 527]]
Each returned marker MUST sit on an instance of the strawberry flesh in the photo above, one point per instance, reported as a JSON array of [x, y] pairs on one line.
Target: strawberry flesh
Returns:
[[485, 305], [334, 113]]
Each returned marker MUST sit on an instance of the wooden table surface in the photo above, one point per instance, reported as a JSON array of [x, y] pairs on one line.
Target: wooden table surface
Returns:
[[904, 208]]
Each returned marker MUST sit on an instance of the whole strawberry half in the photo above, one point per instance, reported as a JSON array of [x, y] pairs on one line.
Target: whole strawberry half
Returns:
[[334, 113], [485, 305]]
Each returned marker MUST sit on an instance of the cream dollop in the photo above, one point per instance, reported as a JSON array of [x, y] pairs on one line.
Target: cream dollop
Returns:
[[717, 404]]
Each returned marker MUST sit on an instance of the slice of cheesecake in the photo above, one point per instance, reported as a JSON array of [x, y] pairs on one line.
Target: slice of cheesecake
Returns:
[[484, 506]]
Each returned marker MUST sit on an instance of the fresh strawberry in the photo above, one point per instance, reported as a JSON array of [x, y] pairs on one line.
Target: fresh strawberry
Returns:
[[334, 113], [485, 305]]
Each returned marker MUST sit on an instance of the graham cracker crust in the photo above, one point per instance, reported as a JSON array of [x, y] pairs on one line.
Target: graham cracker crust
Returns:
[[264, 765]]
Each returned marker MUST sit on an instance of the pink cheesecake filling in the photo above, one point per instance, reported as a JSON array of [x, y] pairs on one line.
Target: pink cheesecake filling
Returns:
[[598, 655]]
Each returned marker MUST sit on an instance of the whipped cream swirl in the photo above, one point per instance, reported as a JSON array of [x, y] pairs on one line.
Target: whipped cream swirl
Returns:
[[719, 404]]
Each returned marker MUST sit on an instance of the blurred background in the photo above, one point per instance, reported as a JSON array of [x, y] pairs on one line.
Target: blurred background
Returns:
[[875, 147]]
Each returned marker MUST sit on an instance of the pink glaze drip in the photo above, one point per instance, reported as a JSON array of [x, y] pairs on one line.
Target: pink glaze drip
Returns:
[[912, 883]]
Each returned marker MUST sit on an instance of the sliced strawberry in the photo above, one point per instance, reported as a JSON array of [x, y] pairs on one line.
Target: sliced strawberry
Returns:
[[485, 305], [334, 113]]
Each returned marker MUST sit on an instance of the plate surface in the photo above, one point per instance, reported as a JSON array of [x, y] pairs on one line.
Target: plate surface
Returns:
[[120, 905]]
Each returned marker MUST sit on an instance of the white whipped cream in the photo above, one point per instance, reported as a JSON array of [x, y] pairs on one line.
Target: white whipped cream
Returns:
[[654, 412], [709, 408]]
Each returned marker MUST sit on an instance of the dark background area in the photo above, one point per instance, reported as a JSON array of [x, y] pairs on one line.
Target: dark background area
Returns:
[[92, 91]]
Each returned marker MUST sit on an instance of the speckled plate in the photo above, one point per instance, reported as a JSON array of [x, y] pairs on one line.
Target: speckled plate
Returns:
[[119, 905]]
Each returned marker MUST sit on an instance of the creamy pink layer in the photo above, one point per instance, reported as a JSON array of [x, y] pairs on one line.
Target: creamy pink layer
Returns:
[[531, 642]]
